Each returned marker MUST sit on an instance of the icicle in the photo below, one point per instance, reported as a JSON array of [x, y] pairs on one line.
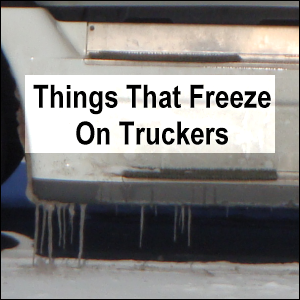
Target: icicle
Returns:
[[36, 231], [175, 223], [64, 225], [189, 225], [72, 213], [142, 225], [59, 223], [81, 232], [227, 211], [43, 227], [155, 210], [183, 218], [50, 209]]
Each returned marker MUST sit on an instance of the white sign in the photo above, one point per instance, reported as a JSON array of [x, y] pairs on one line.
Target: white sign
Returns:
[[150, 113]]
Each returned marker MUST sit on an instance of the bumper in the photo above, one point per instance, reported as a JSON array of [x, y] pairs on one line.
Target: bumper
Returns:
[[64, 48]]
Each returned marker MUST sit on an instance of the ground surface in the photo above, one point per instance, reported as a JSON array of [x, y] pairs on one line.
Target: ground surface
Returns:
[[133, 279]]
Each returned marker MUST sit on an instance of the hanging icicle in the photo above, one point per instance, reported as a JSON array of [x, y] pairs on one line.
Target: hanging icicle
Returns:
[[64, 230], [43, 227], [72, 214], [227, 211], [50, 209], [58, 207], [175, 223], [81, 232], [189, 225], [36, 231], [182, 218], [142, 225]]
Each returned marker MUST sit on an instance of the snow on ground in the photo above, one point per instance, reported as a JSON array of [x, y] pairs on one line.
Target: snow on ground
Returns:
[[133, 279]]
